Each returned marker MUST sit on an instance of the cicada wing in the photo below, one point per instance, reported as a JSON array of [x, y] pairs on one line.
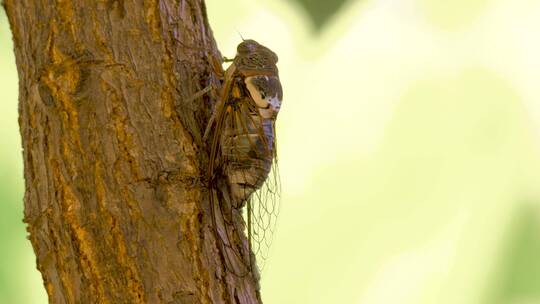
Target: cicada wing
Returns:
[[262, 215], [227, 222], [263, 204]]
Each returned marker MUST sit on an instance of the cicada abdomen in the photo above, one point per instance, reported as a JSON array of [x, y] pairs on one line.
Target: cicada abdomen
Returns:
[[244, 152], [247, 154]]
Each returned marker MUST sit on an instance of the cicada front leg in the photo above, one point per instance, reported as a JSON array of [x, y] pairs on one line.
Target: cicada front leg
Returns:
[[218, 70], [226, 59]]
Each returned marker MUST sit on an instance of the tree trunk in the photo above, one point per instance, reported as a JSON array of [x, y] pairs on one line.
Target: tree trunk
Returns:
[[115, 203]]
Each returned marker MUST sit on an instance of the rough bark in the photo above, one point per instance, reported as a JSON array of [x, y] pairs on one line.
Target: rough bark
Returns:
[[115, 203]]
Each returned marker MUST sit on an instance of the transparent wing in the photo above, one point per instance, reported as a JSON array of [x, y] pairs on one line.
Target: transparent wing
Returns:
[[262, 215], [263, 204]]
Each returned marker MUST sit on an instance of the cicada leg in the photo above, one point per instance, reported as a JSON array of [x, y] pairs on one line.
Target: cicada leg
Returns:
[[218, 70], [225, 59], [200, 94]]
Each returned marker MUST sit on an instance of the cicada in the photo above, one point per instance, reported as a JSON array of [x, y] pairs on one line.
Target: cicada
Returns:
[[242, 169]]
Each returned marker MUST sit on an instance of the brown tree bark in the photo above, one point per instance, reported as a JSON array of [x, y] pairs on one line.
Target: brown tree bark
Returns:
[[116, 206]]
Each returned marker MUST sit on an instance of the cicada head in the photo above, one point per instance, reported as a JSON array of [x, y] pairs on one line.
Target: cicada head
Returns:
[[252, 55]]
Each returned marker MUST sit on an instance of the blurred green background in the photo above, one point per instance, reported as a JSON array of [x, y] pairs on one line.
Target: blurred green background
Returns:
[[409, 151]]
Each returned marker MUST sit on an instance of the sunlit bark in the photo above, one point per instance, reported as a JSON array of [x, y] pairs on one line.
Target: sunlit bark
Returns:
[[115, 202]]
